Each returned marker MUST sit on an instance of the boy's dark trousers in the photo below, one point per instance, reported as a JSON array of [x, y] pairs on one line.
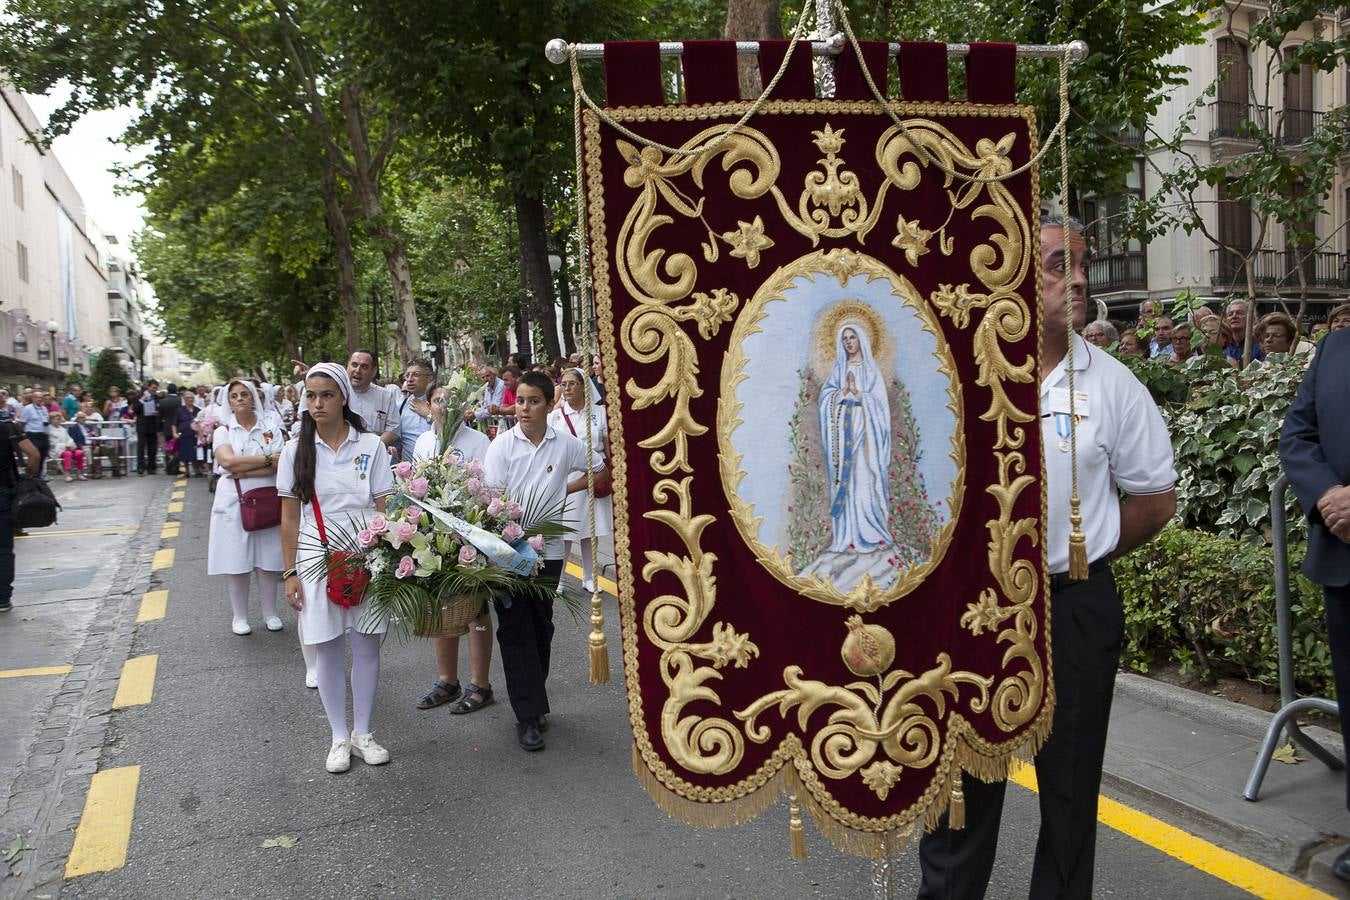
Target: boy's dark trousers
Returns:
[[525, 640]]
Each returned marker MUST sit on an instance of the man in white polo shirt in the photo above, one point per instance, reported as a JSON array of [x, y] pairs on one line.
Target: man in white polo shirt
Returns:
[[531, 463], [1123, 446]]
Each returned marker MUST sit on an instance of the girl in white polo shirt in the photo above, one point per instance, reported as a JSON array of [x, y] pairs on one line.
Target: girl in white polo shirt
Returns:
[[346, 471]]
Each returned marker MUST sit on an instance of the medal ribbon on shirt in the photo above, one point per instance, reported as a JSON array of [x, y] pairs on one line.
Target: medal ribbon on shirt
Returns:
[[1063, 428]]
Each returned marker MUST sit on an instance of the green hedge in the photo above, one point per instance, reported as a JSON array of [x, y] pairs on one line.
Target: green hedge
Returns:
[[1207, 602]]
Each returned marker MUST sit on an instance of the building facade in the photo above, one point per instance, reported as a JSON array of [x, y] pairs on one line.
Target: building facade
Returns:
[[53, 278], [1251, 92]]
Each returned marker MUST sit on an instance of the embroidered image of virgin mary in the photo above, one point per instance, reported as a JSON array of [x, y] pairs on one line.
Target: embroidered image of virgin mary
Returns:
[[855, 430], [855, 422]]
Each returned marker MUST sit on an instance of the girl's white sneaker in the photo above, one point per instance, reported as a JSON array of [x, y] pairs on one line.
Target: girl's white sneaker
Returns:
[[339, 757]]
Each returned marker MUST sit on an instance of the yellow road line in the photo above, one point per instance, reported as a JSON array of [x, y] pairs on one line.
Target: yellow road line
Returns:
[[82, 532], [39, 670], [178, 495], [176, 506], [182, 482], [170, 530], [163, 560], [1224, 865], [605, 584], [105, 826], [153, 605], [137, 684]]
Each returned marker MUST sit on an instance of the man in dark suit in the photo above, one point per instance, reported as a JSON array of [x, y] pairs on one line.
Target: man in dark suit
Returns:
[[1315, 451], [145, 406], [168, 413]]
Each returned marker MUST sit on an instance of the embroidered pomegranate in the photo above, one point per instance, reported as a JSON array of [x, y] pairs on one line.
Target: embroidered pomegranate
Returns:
[[869, 649]]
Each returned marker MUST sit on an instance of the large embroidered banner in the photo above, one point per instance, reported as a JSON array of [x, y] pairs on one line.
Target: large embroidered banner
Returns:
[[824, 411]]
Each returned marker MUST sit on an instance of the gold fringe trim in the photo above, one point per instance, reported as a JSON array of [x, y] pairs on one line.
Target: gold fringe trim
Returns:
[[599, 643], [796, 830], [956, 812], [1078, 561]]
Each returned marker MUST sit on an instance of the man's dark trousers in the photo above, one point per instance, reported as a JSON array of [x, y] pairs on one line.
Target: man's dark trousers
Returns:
[[6, 544], [149, 444], [1087, 626], [525, 640]]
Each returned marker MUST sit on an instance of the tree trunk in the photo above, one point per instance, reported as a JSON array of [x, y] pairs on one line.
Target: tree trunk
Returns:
[[1251, 309], [752, 20], [341, 233], [522, 323], [534, 267], [365, 183]]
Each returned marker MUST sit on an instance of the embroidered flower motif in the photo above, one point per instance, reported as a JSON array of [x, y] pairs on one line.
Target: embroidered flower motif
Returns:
[[748, 241], [912, 239]]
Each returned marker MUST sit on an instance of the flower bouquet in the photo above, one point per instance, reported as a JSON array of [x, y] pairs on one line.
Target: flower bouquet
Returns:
[[445, 543]]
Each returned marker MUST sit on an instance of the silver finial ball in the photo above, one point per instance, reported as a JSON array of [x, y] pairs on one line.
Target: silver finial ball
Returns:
[[556, 51], [1078, 51]]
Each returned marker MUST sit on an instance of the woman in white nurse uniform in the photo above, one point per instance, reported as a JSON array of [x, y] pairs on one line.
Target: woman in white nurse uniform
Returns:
[[569, 417], [347, 470], [246, 450]]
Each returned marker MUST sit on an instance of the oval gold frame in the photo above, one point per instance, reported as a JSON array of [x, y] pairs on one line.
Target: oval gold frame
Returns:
[[839, 264]]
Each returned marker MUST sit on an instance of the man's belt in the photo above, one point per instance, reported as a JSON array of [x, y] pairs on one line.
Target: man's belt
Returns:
[[1061, 580]]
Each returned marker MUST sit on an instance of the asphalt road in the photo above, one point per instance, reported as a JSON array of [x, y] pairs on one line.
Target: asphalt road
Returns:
[[232, 745]]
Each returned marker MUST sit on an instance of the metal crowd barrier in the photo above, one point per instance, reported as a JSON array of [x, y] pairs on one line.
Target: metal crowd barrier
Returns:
[[1290, 704]]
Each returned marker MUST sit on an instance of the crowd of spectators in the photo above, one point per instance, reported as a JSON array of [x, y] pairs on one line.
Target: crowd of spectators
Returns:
[[1188, 335]]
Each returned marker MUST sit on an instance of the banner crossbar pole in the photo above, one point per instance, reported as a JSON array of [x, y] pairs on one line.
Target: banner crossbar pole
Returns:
[[556, 50]]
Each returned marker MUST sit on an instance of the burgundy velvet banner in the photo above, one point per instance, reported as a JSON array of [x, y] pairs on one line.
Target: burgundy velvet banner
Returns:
[[821, 349]]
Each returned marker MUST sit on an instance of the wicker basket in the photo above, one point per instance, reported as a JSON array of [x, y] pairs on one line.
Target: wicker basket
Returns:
[[457, 614]]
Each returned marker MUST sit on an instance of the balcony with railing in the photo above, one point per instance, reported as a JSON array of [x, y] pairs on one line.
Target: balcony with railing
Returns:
[[1229, 118], [1111, 273], [1279, 269], [1298, 125]]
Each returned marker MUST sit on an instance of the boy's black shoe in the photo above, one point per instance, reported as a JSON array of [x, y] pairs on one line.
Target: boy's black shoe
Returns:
[[528, 735]]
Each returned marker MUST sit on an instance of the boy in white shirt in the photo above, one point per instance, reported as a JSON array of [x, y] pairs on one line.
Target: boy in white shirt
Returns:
[[531, 463]]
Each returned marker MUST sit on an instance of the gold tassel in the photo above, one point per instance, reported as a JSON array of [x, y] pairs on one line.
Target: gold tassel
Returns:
[[599, 643], [796, 828], [956, 813], [1078, 564]]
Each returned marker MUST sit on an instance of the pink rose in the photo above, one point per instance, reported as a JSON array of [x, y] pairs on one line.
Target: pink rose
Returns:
[[467, 554], [512, 532], [405, 530], [367, 538], [414, 513], [474, 468], [495, 507], [515, 510], [378, 525], [473, 486], [403, 470], [406, 567], [537, 543], [419, 487]]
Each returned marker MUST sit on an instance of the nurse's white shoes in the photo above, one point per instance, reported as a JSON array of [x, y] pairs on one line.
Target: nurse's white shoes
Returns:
[[311, 678], [274, 623], [240, 627], [364, 746], [339, 757]]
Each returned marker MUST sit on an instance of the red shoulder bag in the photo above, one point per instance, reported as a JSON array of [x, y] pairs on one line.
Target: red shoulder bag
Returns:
[[347, 580]]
